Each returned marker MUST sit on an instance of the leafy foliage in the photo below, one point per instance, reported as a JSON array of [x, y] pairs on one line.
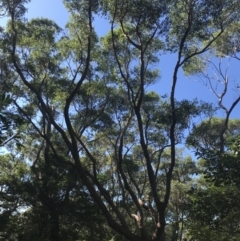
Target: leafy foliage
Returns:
[[91, 154]]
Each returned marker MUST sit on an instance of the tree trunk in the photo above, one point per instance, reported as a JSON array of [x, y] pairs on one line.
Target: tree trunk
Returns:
[[54, 226]]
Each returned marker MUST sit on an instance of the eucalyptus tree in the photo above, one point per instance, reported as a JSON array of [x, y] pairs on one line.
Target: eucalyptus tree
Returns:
[[9, 121], [93, 94], [213, 202], [183, 180], [46, 201]]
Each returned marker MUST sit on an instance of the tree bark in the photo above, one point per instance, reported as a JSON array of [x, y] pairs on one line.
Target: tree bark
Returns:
[[54, 226]]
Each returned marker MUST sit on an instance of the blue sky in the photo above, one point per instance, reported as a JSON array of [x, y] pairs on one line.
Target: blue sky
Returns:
[[187, 87], [53, 9]]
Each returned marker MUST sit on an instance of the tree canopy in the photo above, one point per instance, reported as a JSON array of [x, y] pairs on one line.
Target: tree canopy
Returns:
[[90, 153]]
